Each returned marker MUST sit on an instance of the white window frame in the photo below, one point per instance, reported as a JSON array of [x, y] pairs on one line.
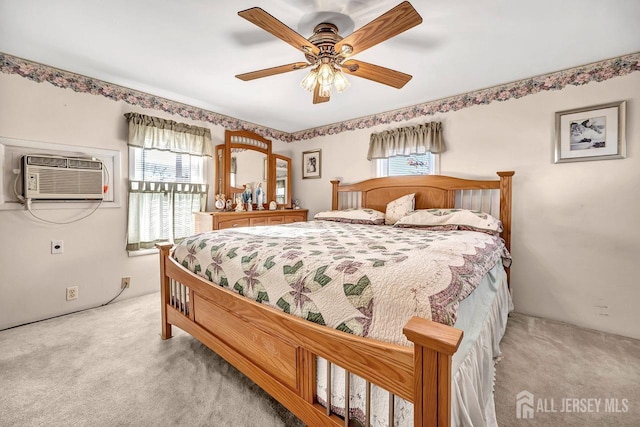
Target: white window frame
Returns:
[[134, 153], [381, 166]]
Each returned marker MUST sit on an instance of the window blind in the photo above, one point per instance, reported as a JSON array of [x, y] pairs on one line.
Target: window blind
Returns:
[[416, 164], [166, 166]]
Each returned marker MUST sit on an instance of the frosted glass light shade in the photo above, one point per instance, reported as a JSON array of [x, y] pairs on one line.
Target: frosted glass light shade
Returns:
[[341, 82], [325, 74], [324, 91], [309, 81]]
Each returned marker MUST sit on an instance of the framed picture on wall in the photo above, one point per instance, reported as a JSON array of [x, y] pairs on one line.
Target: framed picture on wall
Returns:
[[311, 164], [591, 133]]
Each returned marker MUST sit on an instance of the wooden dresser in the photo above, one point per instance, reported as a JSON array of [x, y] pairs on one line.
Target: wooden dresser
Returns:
[[206, 221]]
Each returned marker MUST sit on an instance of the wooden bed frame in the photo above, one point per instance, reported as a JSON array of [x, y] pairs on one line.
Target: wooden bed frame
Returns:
[[278, 351]]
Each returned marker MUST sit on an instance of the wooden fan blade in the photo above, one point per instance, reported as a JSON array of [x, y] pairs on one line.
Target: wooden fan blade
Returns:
[[317, 99], [390, 24], [376, 73], [273, 71], [268, 23]]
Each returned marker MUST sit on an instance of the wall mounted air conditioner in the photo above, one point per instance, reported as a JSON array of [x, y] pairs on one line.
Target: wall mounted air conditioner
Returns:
[[61, 178]]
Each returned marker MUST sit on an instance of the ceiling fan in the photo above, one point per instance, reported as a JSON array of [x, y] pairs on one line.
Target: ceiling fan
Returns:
[[329, 54]]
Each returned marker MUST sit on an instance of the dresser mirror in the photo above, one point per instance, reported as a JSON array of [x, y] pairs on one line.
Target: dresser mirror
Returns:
[[248, 167], [247, 170], [282, 191]]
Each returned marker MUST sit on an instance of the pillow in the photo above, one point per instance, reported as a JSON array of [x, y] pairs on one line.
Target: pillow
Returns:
[[398, 208], [353, 216], [461, 219]]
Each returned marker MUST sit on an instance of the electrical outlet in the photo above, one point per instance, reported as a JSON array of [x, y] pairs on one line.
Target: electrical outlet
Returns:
[[72, 293], [125, 282], [57, 246]]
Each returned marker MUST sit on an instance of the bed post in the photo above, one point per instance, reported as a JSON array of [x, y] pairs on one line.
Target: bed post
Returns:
[[165, 291], [505, 206], [433, 347], [334, 194], [505, 213]]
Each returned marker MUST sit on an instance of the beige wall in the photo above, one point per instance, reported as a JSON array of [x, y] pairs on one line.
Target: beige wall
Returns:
[[575, 232], [32, 280], [576, 226]]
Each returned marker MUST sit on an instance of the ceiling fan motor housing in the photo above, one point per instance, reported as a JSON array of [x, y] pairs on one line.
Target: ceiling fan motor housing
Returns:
[[325, 36]]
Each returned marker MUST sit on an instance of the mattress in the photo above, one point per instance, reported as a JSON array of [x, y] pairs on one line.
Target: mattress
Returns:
[[362, 279]]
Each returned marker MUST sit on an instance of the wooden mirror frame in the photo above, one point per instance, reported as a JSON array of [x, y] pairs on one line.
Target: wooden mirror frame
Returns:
[[246, 140], [250, 141], [273, 168]]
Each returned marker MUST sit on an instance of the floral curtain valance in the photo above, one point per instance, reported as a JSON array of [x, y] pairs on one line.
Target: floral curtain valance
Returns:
[[161, 134], [419, 139]]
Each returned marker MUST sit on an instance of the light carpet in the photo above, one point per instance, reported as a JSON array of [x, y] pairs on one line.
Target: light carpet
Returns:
[[109, 367]]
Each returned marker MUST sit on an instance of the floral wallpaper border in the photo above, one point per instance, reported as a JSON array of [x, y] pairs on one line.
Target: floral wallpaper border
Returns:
[[577, 76]]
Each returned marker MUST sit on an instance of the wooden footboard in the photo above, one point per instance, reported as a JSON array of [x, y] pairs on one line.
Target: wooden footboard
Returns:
[[278, 351]]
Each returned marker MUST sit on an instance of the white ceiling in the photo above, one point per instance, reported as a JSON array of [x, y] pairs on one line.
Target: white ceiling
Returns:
[[190, 50]]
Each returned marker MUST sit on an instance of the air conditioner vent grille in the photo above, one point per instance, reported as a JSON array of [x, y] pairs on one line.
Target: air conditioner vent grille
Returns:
[[67, 181], [62, 178], [55, 162], [84, 164]]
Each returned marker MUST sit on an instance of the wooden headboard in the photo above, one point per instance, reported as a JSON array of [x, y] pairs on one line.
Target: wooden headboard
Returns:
[[432, 191]]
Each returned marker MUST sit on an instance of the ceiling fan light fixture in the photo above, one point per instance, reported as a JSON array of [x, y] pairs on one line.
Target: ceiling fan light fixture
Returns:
[[310, 80], [324, 91], [341, 82], [326, 74]]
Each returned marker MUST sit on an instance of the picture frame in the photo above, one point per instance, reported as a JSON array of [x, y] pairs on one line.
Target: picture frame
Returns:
[[591, 133], [312, 164]]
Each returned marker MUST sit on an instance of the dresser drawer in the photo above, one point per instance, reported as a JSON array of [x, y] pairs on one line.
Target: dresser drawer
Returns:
[[275, 220], [257, 221], [288, 219], [233, 223]]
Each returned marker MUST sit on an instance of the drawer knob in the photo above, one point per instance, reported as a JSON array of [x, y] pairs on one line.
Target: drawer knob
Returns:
[[234, 225]]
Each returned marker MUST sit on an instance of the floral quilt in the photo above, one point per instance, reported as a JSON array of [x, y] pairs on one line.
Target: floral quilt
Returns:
[[362, 279]]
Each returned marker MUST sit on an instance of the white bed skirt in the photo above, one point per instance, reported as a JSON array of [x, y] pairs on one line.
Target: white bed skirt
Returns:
[[472, 402], [483, 318]]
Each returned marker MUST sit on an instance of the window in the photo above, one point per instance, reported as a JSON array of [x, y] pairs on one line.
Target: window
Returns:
[[165, 166], [166, 179], [414, 164], [410, 150], [165, 188]]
